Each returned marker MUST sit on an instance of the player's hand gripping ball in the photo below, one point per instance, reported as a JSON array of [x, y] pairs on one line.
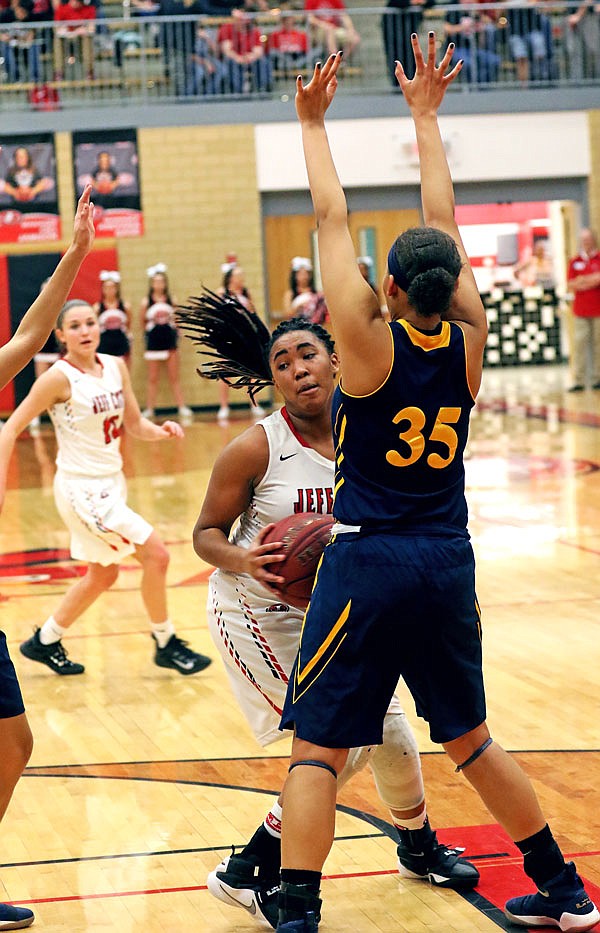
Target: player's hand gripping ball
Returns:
[[304, 537]]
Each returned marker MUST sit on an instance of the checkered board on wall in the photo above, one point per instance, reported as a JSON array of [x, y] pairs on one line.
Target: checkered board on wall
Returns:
[[524, 327]]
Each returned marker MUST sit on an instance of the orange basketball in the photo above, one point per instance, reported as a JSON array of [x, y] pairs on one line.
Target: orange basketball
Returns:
[[304, 537]]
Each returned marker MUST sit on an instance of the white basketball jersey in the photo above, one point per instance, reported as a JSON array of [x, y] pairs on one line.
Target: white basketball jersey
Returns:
[[297, 479], [88, 425]]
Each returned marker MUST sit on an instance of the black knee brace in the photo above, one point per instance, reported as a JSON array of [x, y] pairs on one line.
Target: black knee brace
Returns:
[[314, 764], [478, 751]]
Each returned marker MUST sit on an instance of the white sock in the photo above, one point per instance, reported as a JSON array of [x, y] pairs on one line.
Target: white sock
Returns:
[[272, 821], [51, 631], [417, 822], [162, 631]]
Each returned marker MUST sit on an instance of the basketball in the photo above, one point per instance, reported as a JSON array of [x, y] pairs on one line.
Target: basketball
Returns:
[[304, 537]]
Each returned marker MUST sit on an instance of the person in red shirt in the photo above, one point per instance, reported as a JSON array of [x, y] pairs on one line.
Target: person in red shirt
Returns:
[[584, 281], [288, 45], [243, 50], [77, 37], [333, 31]]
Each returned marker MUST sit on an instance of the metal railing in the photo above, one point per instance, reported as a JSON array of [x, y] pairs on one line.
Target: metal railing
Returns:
[[141, 59]]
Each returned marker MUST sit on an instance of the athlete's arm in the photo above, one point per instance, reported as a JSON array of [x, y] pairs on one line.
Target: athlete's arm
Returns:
[[49, 389], [424, 94], [237, 471], [135, 424], [361, 334], [39, 320]]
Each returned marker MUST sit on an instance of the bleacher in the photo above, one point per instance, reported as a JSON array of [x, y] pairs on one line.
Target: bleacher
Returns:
[[145, 59]]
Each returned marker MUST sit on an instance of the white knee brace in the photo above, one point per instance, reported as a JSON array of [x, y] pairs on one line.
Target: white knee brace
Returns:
[[396, 765]]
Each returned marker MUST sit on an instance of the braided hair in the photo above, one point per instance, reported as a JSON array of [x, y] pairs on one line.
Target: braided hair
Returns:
[[236, 339]]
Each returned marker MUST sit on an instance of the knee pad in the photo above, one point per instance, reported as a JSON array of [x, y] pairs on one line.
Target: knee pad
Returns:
[[357, 759], [396, 765]]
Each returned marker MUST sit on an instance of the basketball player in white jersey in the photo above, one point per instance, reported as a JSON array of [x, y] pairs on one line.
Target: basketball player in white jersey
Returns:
[[283, 465], [89, 398], [16, 740]]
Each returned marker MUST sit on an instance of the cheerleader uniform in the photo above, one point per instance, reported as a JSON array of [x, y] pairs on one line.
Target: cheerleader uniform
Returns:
[[113, 331], [161, 331]]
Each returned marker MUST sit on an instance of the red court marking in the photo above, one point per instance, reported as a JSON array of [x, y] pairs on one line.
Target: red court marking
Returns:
[[506, 880]]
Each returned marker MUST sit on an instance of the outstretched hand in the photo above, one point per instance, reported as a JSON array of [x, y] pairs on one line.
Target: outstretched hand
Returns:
[[425, 92], [83, 227], [313, 99]]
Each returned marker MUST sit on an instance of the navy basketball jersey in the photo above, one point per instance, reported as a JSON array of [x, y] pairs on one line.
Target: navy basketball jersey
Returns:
[[399, 450]]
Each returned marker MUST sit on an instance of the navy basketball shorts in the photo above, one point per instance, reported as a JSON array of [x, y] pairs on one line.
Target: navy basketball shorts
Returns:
[[11, 701], [387, 606]]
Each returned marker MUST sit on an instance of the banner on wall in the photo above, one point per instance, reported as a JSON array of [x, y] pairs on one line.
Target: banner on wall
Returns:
[[28, 195], [108, 160], [21, 278]]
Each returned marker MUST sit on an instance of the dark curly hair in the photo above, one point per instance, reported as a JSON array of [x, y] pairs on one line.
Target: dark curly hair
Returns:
[[236, 339], [425, 263]]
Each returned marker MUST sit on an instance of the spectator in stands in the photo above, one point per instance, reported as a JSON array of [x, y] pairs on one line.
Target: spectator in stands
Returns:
[[74, 39], [332, 30], [288, 46], [206, 71], [529, 41], [244, 54], [20, 48], [583, 276], [397, 27], [474, 35], [582, 39], [178, 39]]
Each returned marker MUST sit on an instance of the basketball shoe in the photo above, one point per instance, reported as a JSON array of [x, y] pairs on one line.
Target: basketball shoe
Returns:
[[178, 656], [240, 882], [563, 904], [15, 918], [54, 656], [420, 855]]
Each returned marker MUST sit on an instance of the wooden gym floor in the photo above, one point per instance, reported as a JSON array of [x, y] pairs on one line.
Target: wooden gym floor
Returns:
[[142, 779]]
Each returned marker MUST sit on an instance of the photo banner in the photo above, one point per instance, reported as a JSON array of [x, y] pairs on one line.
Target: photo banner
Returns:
[[108, 160], [28, 195]]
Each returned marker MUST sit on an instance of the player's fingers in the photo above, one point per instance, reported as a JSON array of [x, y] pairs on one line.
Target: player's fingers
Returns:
[[419, 63], [447, 57], [431, 50], [85, 197], [454, 73]]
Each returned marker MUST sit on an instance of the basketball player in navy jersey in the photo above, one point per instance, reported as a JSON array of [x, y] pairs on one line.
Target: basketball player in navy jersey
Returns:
[[16, 740], [283, 465], [395, 593]]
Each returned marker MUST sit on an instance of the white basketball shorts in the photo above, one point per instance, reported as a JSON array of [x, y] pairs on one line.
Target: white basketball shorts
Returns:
[[103, 528]]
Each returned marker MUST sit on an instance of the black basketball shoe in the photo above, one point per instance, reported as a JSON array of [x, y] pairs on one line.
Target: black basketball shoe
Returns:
[[53, 656], [239, 882], [179, 657], [420, 855]]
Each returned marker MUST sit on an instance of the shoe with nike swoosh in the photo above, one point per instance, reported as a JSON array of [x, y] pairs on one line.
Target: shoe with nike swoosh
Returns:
[[237, 882], [179, 657], [563, 903]]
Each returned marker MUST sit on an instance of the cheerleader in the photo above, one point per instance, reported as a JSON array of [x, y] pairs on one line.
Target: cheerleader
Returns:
[[157, 316], [114, 317]]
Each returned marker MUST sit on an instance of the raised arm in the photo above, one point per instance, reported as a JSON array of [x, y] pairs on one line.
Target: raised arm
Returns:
[[352, 303], [424, 94], [39, 320]]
